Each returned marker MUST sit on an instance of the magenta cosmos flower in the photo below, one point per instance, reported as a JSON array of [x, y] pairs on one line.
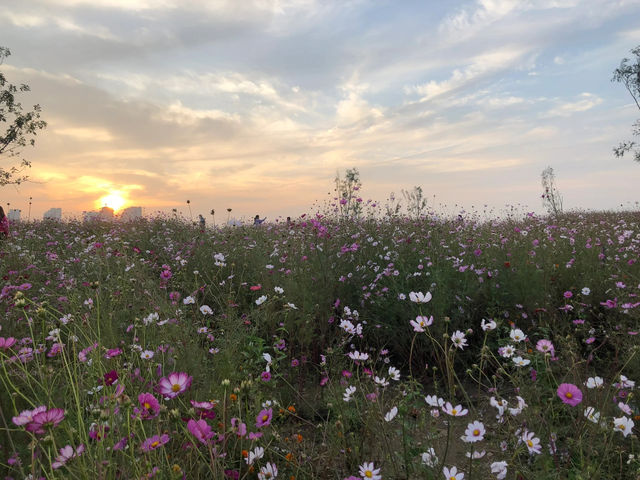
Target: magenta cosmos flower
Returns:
[[149, 406], [45, 420], [264, 418], [174, 384], [154, 442], [569, 394], [201, 430]]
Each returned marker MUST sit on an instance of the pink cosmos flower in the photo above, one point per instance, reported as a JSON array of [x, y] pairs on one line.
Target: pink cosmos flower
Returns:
[[7, 343], [264, 418], [569, 394], [45, 420], [26, 416], [154, 442], [66, 454], [240, 427], [174, 384], [201, 430], [149, 406], [545, 346]]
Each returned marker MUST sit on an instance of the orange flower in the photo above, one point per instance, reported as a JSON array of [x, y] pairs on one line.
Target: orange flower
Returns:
[[289, 456], [233, 397], [291, 408], [245, 453], [299, 438]]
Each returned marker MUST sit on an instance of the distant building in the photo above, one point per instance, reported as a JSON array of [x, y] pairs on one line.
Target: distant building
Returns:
[[53, 214], [106, 213], [14, 215], [131, 213]]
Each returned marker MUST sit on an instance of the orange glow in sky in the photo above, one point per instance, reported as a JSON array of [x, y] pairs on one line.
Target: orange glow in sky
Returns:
[[114, 200]]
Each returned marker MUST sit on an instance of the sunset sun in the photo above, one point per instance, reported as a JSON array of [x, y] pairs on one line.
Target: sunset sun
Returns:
[[113, 200]]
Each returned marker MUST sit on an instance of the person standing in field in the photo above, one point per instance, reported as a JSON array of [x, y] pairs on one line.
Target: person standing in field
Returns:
[[257, 220], [4, 224]]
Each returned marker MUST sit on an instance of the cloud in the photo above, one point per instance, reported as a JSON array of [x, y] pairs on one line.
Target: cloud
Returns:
[[481, 66], [587, 102]]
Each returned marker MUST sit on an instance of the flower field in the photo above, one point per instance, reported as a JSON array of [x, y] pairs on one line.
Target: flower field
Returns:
[[390, 348]]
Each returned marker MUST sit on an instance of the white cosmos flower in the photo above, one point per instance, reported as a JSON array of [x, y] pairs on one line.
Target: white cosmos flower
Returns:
[[254, 455], [206, 310], [348, 393], [499, 469], [517, 335], [429, 458], [488, 326], [623, 425], [521, 362], [391, 414], [419, 297], [592, 414], [356, 355], [189, 300], [261, 300], [594, 382], [394, 373]]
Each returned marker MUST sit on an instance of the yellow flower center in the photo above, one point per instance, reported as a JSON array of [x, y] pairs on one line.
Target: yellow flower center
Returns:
[[146, 405], [476, 432], [265, 418], [454, 411], [569, 395], [368, 474], [175, 387], [530, 443], [155, 444], [621, 426]]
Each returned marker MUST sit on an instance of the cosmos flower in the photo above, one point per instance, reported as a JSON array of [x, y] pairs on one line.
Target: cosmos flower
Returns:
[[255, 454], [623, 425], [592, 414], [429, 458], [419, 297], [474, 433], [488, 326], [149, 406], [268, 471], [517, 335], [264, 418], [532, 442], [174, 384], [368, 471], [594, 382], [456, 411], [452, 473], [569, 394], [421, 322], [154, 442], [391, 414], [66, 454], [201, 430], [499, 469], [45, 420], [459, 340]]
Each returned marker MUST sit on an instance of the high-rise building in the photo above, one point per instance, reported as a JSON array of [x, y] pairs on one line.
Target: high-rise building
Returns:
[[131, 213], [53, 214], [14, 215]]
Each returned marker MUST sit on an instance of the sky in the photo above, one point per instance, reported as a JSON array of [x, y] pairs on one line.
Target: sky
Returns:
[[255, 105]]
